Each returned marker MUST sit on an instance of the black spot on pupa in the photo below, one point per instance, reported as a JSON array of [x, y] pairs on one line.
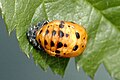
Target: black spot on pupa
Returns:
[[39, 41], [52, 51], [40, 31], [75, 47], [77, 35], [61, 24], [67, 35], [57, 51], [59, 45], [65, 45], [84, 38], [52, 44], [64, 53], [61, 34], [45, 42], [82, 46], [68, 25], [47, 31], [53, 33]]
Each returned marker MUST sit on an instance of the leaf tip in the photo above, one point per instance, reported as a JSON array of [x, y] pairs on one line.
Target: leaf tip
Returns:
[[28, 56]]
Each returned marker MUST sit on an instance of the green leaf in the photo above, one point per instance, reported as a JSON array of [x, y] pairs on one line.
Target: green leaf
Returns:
[[101, 18], [104, 38]]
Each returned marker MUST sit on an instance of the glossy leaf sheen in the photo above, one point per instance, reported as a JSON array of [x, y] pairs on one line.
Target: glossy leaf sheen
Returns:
[[101, 18]]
